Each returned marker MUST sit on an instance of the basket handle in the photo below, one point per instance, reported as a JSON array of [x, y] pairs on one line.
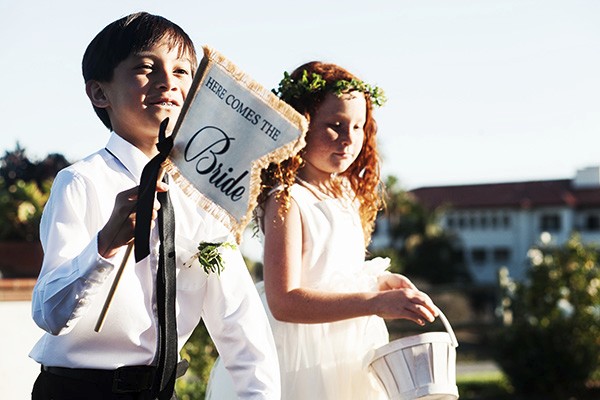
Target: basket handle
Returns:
[[448, 328]]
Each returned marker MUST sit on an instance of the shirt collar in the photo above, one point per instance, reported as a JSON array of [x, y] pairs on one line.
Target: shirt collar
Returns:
[[132, 158]]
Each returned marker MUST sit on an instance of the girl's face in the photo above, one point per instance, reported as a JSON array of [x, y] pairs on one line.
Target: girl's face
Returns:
[[145, 89], [335, 136]]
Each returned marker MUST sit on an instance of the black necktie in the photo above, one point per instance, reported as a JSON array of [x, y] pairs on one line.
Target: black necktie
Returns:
[[165, 295]]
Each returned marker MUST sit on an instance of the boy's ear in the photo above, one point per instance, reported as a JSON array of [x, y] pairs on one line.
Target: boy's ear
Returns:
[[96, 94]]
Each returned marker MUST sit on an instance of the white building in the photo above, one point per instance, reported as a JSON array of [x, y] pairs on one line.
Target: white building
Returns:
[[499, 222]]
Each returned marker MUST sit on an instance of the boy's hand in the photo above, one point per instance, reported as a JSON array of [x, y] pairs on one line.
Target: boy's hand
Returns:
[[119, 229]]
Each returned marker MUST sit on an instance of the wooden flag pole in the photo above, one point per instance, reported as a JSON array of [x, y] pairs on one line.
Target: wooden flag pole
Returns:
[[113, 288]]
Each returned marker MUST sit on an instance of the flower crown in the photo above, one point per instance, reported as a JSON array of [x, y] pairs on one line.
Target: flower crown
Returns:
[[290, 88]]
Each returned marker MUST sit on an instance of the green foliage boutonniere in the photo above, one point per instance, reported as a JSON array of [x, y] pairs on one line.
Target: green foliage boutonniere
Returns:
[[210, 257]]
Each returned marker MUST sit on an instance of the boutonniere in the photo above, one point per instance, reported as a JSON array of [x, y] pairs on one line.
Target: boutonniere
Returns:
[[210, 257]]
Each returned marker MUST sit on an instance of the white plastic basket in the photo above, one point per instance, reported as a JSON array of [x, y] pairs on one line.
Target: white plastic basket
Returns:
[[418, 367]]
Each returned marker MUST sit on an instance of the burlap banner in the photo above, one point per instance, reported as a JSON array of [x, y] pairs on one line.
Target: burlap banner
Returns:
[[230, 128]]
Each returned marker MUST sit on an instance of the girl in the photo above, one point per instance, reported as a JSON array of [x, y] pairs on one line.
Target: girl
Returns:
[[317, 211]]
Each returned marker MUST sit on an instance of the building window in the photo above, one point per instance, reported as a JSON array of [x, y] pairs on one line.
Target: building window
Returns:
[[592, 223], [550, 223], [472, 222], [478, 255], [483, 221], [494, 221], [501, 255], [450, 221], [506, 221]]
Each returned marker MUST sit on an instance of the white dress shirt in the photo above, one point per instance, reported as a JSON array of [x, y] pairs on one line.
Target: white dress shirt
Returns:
[[74, 282]]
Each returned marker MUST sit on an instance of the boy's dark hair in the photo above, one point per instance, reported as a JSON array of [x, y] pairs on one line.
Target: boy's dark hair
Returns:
[[129, 35]]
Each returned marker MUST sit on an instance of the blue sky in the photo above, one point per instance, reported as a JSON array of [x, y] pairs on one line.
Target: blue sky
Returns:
[[479, 91]]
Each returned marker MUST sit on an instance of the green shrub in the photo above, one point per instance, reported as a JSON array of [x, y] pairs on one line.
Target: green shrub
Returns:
[[484, 386], [201, 353], [552, 346], [24, 191], [21, 206]]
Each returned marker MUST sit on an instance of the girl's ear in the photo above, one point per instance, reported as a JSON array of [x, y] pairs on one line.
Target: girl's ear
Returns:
[[96, 94]]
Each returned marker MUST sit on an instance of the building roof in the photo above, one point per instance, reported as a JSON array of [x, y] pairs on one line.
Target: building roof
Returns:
[[530, 194]]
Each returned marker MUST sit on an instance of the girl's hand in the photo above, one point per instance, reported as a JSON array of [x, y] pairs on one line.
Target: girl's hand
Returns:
[[406, 303], [389, 281]]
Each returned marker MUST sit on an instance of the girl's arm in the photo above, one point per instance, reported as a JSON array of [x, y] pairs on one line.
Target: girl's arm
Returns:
[[290, 302]]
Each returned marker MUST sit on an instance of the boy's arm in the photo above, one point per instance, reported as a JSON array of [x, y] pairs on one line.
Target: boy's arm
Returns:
[[72, 270], [237, 322]]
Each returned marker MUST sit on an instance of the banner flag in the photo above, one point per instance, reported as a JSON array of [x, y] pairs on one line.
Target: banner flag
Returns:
[[230, 127]]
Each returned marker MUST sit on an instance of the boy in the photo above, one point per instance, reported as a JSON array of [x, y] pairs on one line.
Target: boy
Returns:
[[138, 71]]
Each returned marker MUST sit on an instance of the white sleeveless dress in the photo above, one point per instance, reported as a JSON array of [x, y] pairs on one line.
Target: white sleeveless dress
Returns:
[[325, 361]]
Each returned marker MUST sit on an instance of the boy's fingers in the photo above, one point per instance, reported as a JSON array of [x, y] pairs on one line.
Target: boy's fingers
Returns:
[[129, 194], [161, 186]]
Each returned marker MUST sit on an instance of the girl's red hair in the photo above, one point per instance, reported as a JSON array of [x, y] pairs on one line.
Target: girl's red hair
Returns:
[[364, 173]]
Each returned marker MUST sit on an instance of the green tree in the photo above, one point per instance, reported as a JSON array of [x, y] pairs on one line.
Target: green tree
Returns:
[[24, 190], [423, 248], [15, 166], [552, 345], [21, 206]]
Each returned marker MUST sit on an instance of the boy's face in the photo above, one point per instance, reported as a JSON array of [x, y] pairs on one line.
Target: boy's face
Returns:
[[145, 89]]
